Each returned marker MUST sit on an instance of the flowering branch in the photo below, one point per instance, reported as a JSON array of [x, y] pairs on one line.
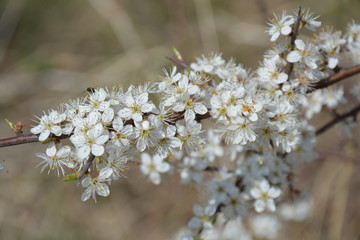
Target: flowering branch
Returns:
[[255, 123], [339, 118]]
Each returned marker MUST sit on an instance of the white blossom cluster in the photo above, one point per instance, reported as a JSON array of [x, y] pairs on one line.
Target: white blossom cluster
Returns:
[[239, 133]]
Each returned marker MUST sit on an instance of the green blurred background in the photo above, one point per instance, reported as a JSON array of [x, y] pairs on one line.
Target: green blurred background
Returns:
[[51, 51]]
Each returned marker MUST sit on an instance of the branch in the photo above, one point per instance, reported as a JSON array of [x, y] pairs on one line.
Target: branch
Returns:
[[22, 139], [178, 62], [86, 167], [339, 118], [294, 33], [337, 77]]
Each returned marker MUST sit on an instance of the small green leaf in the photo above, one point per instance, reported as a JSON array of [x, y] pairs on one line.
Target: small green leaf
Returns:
[[46, 141], [71, 177], [177, 53], [12, 126]]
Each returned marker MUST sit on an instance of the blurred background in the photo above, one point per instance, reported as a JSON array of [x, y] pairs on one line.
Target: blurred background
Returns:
[[51, 51]]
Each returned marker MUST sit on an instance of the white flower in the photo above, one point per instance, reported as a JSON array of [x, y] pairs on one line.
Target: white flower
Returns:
[[116, 160], [265, 226], [122, 134], [304, 53], [147, 133], [92, 141], [135, 106], [202, 217], [181, 89], [331, 97], [192, 170], [249, 108], [191, 108], [264, 196], [49, 124], [280, 25], [97, 101], [170, 77], [208, 64], [96, 185], [153, 166], [189, 134], [270, 73], [169, 143], [55, 159], [234, 205], [310, 21], [240, 131]]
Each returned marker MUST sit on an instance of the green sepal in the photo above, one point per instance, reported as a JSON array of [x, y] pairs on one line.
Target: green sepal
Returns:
[[71, 177], [48, 140]]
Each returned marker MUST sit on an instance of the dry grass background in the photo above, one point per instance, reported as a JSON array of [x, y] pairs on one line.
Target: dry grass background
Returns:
[[51, 51]]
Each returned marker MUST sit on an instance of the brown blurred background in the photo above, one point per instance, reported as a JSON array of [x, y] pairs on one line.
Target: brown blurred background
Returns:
[[51, 51]]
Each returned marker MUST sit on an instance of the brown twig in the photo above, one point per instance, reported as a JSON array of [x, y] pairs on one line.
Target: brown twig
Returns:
[[339, 118], [86, 167], [178, 62], [26, 138], [295, 31], [337, 77], [21, 139]]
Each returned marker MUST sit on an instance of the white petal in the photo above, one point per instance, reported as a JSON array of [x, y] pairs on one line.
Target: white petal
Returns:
[[271, 205], [93, 118], [102, 189], [86, 182], [86, 195], [145, 158], [83, 152], [63, 152], [37, 129], [198, 210], [179, 107], [97, 150], [137, 117], [253, 117], [275, 36], [299, 44], [105, 173], [195, 223], [118, 124], [332, 62], [125, 113], [286, 30], [102, 139], [148, 107], [274, 192], [200, 108], [142, 99], [293, 56], [260, 205], [255, 193], [56, 130], [155, 177], [108, 115], [78, 139], [189, 115], [193, 89], [44, 135], [51, 150]]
